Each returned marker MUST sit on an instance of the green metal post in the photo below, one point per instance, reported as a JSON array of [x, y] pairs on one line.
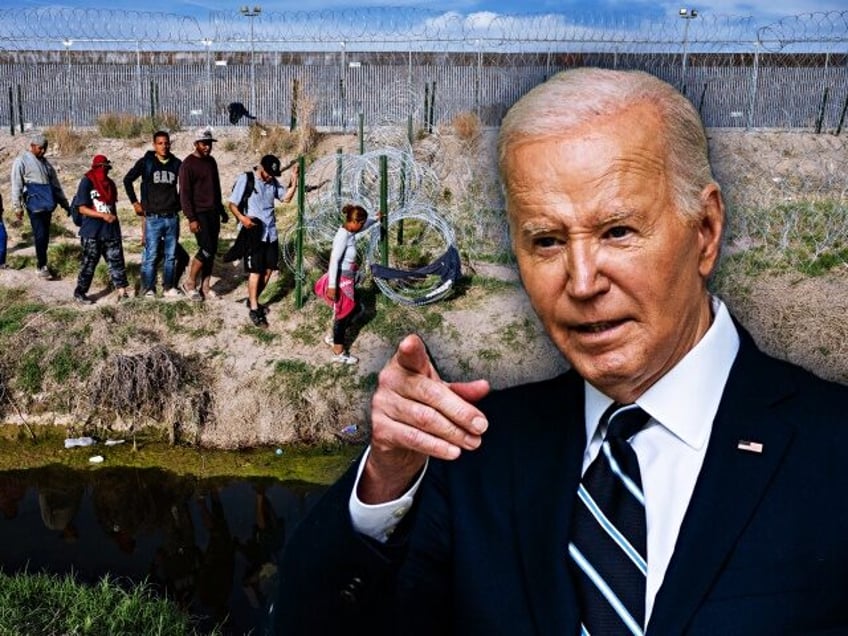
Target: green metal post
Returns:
[[426, 105], [384, 209], [11, 112], [299, 274], [152, 106], [403, 168], [402, 197], [842, 117], [20, 109], [338, 180], [361, 133], [432, 107], [820, 119], [295, 100]]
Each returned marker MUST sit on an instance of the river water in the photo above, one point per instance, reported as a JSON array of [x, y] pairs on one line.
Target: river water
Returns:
[[213, 545]]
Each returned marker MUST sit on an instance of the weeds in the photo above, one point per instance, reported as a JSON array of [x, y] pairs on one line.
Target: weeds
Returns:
[[67, 140], [467, 126], [51, 604], [128, 126]]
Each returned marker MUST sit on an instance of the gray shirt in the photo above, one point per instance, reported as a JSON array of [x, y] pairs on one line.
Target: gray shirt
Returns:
[[27, 168]]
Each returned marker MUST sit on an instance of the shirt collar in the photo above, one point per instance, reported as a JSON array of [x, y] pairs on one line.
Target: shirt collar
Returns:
[[685, 400]]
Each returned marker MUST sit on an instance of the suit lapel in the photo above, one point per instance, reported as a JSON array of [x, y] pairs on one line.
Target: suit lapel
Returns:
[[730, 486], [546, 470]]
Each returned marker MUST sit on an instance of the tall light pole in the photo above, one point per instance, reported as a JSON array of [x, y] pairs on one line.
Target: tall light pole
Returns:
[[208, 44], [247, 12], [688, 15], [68, 44]]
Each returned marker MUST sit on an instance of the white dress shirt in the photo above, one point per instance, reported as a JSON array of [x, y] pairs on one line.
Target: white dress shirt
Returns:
[[671, 448]]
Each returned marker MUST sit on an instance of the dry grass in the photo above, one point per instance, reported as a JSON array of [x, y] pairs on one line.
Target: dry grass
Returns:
[[129, 126], [467, 126], [67, 141], [158, 384]]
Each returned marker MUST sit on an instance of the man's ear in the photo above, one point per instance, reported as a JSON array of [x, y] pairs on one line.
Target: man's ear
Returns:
[[710, 228]]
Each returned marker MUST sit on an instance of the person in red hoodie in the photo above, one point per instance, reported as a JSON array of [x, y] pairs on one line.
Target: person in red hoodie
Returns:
[[100, 232]]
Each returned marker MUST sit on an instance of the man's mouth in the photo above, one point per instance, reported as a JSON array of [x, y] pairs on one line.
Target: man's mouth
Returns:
[[598, 327]]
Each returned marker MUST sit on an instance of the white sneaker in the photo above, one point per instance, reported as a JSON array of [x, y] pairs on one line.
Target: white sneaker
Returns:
[[328, 340], [173, 292], [150, 294], [345, 358], [44, 272]]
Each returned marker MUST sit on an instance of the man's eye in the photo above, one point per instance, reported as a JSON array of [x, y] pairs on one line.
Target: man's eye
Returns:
[[545, 241], [619, 231]]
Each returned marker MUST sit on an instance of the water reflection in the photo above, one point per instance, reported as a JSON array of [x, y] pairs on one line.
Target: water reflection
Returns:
[[213, 545]]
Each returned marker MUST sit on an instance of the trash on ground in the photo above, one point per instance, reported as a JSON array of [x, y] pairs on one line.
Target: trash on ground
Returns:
[[114, 442], [352, 434], [96, 459], [79, 441]]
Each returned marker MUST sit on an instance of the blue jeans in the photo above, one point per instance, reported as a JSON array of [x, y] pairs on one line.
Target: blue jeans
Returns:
[[3, 241], [40, 222], [167, 231]]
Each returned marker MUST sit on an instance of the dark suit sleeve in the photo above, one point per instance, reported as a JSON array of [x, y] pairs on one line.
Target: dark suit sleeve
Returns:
[[334, 580]]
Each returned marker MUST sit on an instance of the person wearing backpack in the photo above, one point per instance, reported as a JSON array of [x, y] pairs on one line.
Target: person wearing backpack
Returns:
[[100, 231], [252, 204], [36, 189], [160, 206]]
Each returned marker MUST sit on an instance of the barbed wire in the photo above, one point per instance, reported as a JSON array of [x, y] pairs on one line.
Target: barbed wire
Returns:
[[383, 28], [39, 28]]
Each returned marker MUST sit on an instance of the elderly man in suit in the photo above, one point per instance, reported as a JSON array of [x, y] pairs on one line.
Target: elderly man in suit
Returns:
[[675, 481]]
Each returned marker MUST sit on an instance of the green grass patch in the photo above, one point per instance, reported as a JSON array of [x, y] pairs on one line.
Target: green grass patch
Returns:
[[30, 374], [807, 236], [37, 603], [16, 309]]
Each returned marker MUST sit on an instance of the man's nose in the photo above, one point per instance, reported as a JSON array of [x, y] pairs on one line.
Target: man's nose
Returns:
[[585, 278]]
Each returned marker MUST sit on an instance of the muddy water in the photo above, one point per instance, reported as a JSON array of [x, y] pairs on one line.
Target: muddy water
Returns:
[[212, 545]]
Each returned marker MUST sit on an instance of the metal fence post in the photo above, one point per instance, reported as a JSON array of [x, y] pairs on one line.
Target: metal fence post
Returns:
[[299, 274], [384, 210], [754, 81]]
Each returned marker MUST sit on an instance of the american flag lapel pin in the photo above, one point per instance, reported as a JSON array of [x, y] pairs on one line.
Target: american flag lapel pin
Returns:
[[749, 446]]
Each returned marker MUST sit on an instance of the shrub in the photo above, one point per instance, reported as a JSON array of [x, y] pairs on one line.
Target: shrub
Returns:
[[66, 140], [127, 126], [467, 126]]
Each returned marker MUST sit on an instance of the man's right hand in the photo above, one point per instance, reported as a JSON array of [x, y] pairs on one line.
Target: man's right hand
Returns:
[[194, 227], [415, 414]]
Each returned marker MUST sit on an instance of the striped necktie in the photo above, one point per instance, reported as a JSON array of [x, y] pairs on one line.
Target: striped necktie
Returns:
[[608, 547]]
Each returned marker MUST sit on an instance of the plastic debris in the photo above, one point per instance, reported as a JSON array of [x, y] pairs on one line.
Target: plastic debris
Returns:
[[96, 459], [352, 434], [114, 442], [278, 452], [79, 441]]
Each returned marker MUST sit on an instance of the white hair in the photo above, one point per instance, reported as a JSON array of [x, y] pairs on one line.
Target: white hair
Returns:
[[572, 98]]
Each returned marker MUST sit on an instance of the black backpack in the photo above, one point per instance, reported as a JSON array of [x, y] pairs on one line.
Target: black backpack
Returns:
[[74, 212], [248, 190]]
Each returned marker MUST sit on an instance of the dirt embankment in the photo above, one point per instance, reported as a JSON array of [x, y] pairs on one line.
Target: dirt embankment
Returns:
[[222, 383]]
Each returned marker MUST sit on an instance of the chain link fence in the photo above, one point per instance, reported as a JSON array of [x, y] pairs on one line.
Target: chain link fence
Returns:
[[406, 72], [62, 65]]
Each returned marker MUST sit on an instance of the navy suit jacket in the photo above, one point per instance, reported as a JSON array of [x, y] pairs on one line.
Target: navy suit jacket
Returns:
[[763, 548]]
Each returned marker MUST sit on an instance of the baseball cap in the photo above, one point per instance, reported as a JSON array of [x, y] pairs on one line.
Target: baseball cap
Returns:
[[271, 165], [38, 139], [204, 134], [100, 160]]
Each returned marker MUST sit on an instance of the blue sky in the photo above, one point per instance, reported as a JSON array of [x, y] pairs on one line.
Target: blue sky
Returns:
[[762, 11]]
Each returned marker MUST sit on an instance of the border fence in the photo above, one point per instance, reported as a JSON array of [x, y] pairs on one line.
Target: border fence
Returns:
[[331, 68]]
